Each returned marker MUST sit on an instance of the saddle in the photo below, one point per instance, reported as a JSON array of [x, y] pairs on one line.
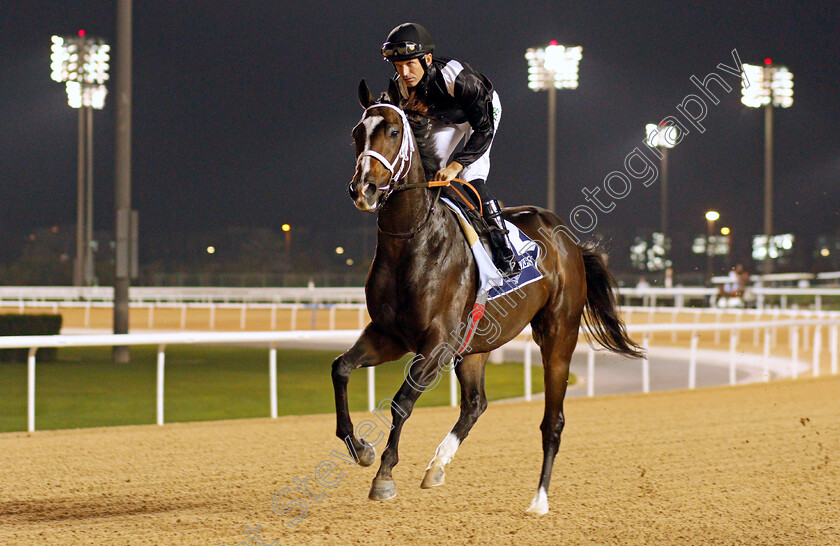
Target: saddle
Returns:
[[467, 206]]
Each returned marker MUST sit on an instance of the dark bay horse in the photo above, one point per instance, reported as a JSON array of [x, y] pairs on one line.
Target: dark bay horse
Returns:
[[421, 291]]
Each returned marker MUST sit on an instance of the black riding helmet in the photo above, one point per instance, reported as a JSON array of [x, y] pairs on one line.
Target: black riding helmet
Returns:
[[407, 41]]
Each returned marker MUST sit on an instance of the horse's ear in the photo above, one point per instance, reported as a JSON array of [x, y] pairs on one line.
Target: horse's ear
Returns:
[[365, 96], [393, 93]]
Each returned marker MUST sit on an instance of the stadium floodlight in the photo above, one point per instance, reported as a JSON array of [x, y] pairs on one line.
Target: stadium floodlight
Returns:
[[554, 67], [662, 136], [81, 63], [551, 68], [767, 86]]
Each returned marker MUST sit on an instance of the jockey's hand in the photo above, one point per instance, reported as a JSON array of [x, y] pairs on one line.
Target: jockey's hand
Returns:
[[449, 172]]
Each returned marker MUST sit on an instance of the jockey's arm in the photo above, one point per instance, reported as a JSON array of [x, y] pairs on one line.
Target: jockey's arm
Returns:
[[474, 94]]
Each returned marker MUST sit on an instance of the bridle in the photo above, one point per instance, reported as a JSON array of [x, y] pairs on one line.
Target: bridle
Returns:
[[403, 160], [403, 157]]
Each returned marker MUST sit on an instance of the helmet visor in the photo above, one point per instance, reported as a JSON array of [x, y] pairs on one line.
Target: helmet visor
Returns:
[[401, 50]]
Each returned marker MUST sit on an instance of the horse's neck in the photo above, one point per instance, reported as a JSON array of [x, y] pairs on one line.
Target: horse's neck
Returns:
[[407, 209]]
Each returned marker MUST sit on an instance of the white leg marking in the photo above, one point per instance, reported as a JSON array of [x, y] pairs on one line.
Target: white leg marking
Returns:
[[540, 503], [445, 451]]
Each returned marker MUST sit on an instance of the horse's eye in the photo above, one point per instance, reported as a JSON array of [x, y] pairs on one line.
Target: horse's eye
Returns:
[[394, 133]]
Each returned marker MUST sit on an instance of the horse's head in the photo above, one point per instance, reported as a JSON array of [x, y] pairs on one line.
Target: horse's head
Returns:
[[384, 148]]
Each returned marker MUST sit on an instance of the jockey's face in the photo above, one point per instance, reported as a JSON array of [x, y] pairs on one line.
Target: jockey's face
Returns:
[[411, 71]]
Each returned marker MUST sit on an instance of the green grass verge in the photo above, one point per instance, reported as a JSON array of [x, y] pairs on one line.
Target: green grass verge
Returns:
[[83, 388]]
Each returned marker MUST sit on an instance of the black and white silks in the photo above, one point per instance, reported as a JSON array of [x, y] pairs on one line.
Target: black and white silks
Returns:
[[461, 105]]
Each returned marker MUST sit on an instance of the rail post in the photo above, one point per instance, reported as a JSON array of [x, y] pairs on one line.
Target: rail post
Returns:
[[692, 362], [733, 345], [765, 361], [817, 348], [453, 386], [272, 377], [30, 389], [371, 389], [160, 369], [526, 364]]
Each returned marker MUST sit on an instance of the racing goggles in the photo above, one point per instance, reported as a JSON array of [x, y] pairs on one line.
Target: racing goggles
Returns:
[[401, 49]]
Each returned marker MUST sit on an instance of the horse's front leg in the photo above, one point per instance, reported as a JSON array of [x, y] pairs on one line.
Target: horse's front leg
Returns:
[[422, 373], [371, 349], [470, 372]]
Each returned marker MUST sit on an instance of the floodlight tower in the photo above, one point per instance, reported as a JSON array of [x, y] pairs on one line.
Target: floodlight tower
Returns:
[[663, 137], [768, 86], [551, 68], [81, 63]]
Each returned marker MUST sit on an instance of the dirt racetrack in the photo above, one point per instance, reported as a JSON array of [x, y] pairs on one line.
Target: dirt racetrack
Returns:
[[753, 464]]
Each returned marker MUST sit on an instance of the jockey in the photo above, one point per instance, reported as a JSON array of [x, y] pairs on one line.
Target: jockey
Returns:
[[457, 103]]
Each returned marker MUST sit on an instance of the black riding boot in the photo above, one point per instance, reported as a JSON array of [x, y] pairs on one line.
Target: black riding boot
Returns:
[[503, 256]]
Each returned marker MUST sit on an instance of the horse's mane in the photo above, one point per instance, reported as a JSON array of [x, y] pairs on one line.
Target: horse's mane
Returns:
[[421, 126]]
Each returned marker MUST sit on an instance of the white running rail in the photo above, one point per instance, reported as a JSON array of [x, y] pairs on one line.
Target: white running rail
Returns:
[[272, 339]]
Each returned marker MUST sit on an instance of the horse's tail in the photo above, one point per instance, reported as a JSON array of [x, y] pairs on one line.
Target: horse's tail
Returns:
[[601, 307]]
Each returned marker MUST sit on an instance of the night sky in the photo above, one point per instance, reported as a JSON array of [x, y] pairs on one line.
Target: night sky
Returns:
[[243, 110]]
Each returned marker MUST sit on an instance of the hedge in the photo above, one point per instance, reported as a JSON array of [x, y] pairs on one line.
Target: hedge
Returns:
[[29, 325]]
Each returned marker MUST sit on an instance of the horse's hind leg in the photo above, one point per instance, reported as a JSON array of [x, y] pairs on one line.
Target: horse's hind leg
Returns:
[[470, 372], [371, 349], [557, 345]]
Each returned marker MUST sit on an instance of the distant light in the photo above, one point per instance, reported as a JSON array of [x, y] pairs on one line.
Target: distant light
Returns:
[[712, 215], [349, 261], [339, 250], [724, 231], [552, 42], [664, 136], [211, 250], [82, 63], [768, 60], [553, 66], [286, 227], [768, 84], [824, 252]]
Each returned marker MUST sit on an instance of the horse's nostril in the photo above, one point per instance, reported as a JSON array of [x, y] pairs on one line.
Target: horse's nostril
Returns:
[[370, 189], [351, 190]]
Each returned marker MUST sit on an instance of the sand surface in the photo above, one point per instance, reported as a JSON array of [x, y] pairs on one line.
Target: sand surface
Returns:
[[753, 464]]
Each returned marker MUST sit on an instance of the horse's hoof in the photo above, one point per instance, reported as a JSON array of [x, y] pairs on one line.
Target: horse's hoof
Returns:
[[382, 489], [367, 455], [434, 477], [540, 503]]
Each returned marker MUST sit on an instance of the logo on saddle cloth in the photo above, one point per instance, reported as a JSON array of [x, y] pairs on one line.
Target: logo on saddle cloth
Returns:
[[527, 254], [491, 283]]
